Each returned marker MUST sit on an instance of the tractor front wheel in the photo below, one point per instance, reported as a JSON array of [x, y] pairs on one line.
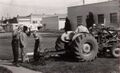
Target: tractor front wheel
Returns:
[[59, 44], [116, 52]]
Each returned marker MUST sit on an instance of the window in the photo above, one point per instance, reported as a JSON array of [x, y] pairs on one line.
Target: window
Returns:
[[62, 19], [113, 17], [79, 20], [34, 22], [100, 18], [40, 21]]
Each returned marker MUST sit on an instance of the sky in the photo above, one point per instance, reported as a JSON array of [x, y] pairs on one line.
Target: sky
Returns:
[[10, 8]]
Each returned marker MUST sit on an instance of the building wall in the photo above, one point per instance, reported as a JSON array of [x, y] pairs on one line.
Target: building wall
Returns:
[[51, 22], [32, 21], [36, 19], [99, 8], [24, 20]]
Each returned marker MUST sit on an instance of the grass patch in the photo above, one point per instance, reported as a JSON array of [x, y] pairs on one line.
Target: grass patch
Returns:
[[4, 70], [6, 49], [100, 65]]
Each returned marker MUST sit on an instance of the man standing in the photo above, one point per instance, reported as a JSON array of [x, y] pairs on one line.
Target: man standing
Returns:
[[15, 45], [87, 22], [37, 46], [67, 25], [23, 42], [90, 20]]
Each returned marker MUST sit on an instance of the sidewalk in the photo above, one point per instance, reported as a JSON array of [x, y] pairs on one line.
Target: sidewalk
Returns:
[[14, 69]]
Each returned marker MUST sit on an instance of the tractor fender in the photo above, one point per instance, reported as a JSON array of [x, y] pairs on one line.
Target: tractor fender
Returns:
[[75, 36], [78, 34], [67, 36]]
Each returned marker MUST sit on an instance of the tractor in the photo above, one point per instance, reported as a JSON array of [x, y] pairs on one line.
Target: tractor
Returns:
[[85, 46], [101, 41]]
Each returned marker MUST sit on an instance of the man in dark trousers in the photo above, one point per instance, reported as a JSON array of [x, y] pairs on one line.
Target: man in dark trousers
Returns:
[[15, 45], [87, 22], [90, 20], [37, 46]]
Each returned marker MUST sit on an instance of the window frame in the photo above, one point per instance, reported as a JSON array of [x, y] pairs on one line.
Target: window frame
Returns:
[[101, 21], [79, 20], [112, 19]]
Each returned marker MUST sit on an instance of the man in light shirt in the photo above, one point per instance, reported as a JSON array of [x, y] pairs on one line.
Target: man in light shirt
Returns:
[[23, 42]]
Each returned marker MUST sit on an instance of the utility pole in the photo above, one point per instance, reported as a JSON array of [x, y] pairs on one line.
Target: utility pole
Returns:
[[119, 13], [2, 20], [83, 2]]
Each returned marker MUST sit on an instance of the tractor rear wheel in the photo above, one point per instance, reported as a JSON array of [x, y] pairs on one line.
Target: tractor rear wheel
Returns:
[[85, 47]]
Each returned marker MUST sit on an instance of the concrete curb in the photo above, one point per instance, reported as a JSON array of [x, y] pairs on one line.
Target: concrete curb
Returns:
[[15, 69], [19, 69]]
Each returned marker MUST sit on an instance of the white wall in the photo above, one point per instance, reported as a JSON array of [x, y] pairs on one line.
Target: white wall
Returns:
[[28, 21], [36, 18], [61, 24], [24, 20]]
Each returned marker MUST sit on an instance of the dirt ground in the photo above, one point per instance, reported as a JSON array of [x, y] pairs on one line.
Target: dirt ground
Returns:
[[59, 64]]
